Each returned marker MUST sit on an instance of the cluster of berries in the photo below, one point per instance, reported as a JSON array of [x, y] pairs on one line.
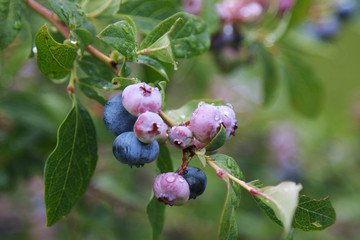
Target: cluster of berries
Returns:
[[326, 19], [133, 117]]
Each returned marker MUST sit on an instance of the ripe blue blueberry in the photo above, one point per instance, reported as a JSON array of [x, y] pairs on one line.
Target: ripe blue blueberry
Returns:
[[196, 179], [346, 9], [116, 118], [129, 150], [140, 97], [171, 188]]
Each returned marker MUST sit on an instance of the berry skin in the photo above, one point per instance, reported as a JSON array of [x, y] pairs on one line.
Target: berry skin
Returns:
[[171, 188], [140, 97], [163, 134], [196, 179], [205, 122], [116, 118], [180, 136], [228, 120], [129, 150], [346, 9], [149, 127]]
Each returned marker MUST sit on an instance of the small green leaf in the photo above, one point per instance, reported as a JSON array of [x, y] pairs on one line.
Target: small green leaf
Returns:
[[218, 141], [200, 154], [154, 64], [98, 83], [69, 168], [93, 67], [156, 210], [122, 82], [82, 37], [184, 113], [10, 21], [270, 77], [125, 70], [149, 13], [306, 93], [229, 164], [312, 214], [282, 199], [93, 94], [187, 34], [102, 9], [228, 229], [54, 59], [122, 37], [69, 11]]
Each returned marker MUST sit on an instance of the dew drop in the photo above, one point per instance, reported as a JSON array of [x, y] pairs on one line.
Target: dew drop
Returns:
[[73, 41], [170, 179], [17, 25], [34, 49]]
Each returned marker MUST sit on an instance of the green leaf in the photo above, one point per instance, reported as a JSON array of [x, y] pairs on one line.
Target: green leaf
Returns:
[[184, 113], [228, 229], [122, 37], [200, 154], [98, 83], [10, 21], [312, 214], [270, 77], [93, 94], [210, 16], [154, 64], [54, 59], [228, 164], [69, 168], [186, 33], [282, 199], [306, 93], [69, 11], [149, 13], [13, 57], [125, 70], [93, 67], [82, 37], [298, 12], [218, 141], [156, 210], [101, 8], [122, 82]]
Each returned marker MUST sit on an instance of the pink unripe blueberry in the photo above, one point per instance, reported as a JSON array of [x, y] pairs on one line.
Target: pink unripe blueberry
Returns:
[[180, 136], [163, 136], [198, 144], [192, 6], [148, 127], [171, 188], [141, 97], [228, 120], [205, 122]]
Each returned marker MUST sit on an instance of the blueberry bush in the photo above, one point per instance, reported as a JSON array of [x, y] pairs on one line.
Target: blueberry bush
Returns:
[[139, 75]]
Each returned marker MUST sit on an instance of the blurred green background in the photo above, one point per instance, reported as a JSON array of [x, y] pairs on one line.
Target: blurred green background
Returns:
[[272, 144]]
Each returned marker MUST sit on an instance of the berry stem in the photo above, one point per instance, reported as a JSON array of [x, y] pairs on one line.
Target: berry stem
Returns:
[[221, 172], [184, 162], [50, 16], [166, 119]]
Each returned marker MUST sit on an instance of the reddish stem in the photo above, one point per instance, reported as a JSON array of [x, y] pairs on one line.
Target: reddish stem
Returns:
[[184, 162]]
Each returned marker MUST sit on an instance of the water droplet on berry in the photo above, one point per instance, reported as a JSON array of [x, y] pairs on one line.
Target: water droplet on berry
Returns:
[[170, 179]]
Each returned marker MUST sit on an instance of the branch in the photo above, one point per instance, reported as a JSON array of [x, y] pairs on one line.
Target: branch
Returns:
[[50, 16]]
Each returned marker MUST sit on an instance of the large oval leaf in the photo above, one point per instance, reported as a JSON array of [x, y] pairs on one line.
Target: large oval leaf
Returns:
[[70, 166]]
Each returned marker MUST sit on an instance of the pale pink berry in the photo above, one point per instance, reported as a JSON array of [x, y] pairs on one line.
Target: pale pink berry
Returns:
[[148, 127], [205, 122], [192, 6], [180, 136], [171, 188], [141, 97], [228, 120], [163, 134], [198, 144]]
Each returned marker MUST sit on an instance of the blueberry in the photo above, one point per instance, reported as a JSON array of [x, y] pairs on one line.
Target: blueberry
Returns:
[[180, 137], [327, 28], [140, 97], [196, 179], [116, 118], [129, 150], [346, 9], [171, 188], [149, 127]]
